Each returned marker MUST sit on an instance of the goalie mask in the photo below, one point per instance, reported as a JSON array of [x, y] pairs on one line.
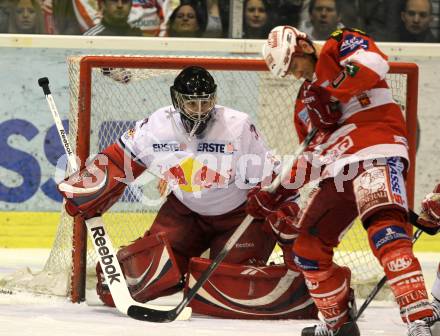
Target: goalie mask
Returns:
[[281, 46], [194, 95]]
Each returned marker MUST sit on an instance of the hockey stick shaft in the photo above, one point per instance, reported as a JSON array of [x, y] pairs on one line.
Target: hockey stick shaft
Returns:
[[169, 316], [96, 229], [412, 218], [44, 83]]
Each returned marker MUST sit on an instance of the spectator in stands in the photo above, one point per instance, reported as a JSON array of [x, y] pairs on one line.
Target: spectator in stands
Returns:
[[147, 15], [215, 14], [325, 18], [150, 16], [257, 19], [87, 13], [289, 12], [26, 17], [5, 7], [378, 18], [114, 19], [185, 21], [350, 13], [416, 17], [59, 17]]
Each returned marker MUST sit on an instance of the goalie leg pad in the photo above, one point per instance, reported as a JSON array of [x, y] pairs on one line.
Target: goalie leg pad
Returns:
[[149, 267], [250, 292], [390, 240]]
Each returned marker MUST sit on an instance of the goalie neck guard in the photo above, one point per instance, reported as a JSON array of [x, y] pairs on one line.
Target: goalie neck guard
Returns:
[[194, 95]]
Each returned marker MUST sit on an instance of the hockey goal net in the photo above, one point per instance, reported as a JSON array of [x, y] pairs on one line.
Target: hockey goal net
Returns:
[[102, 107]]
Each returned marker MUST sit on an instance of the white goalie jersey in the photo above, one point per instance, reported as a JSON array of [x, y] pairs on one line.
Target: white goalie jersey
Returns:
[[211, 174]]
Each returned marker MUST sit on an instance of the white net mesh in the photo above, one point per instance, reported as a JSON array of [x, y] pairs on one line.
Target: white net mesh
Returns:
[[122, 96]]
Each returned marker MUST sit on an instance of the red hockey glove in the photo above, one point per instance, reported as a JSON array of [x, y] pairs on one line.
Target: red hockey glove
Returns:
[[430, 215], [323, 110], [283, 221], [261, 204]]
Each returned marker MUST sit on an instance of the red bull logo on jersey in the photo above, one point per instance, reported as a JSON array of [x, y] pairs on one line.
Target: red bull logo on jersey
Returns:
[[190, 175], [176, 174]]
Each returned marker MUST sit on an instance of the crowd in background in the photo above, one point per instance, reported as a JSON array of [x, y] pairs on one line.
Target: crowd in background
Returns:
[[385, 20]]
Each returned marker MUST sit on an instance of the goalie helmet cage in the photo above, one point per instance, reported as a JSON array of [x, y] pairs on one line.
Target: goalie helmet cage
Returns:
[[103, 104]]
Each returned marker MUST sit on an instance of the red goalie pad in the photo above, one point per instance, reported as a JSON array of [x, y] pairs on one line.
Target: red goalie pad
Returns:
[[149, 267], [249, 292]]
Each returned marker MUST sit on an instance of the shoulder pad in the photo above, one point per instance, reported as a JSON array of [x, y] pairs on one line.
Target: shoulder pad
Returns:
[[337, 34], [355, 30]]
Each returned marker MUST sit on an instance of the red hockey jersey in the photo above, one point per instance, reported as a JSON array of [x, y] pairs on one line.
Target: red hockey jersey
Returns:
[[372, 125]]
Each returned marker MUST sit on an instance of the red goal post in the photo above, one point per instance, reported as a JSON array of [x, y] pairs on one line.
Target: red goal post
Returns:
[[85, 70]]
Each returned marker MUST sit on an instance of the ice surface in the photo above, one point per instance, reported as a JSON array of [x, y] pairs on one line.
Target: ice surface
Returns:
[[34, 315]]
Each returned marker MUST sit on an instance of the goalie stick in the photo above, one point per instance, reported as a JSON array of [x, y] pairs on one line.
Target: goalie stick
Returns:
[[101, 241], [154, 315], [412, 219]]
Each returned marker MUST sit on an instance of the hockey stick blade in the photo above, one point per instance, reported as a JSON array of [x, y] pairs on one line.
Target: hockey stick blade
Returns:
[[412, 219], [161, 316], [151, 315]]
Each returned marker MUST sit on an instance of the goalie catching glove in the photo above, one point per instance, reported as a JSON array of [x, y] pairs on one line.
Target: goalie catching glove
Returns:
[[323, 109], [94, 189], [430, 214], [280, 209]]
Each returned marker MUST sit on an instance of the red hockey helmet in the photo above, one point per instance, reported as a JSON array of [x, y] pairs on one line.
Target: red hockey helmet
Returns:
[[281, 46]]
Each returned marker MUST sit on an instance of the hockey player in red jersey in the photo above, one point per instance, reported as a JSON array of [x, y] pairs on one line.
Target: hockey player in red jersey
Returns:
[[201, 149], [430, 219], [359, 158]]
